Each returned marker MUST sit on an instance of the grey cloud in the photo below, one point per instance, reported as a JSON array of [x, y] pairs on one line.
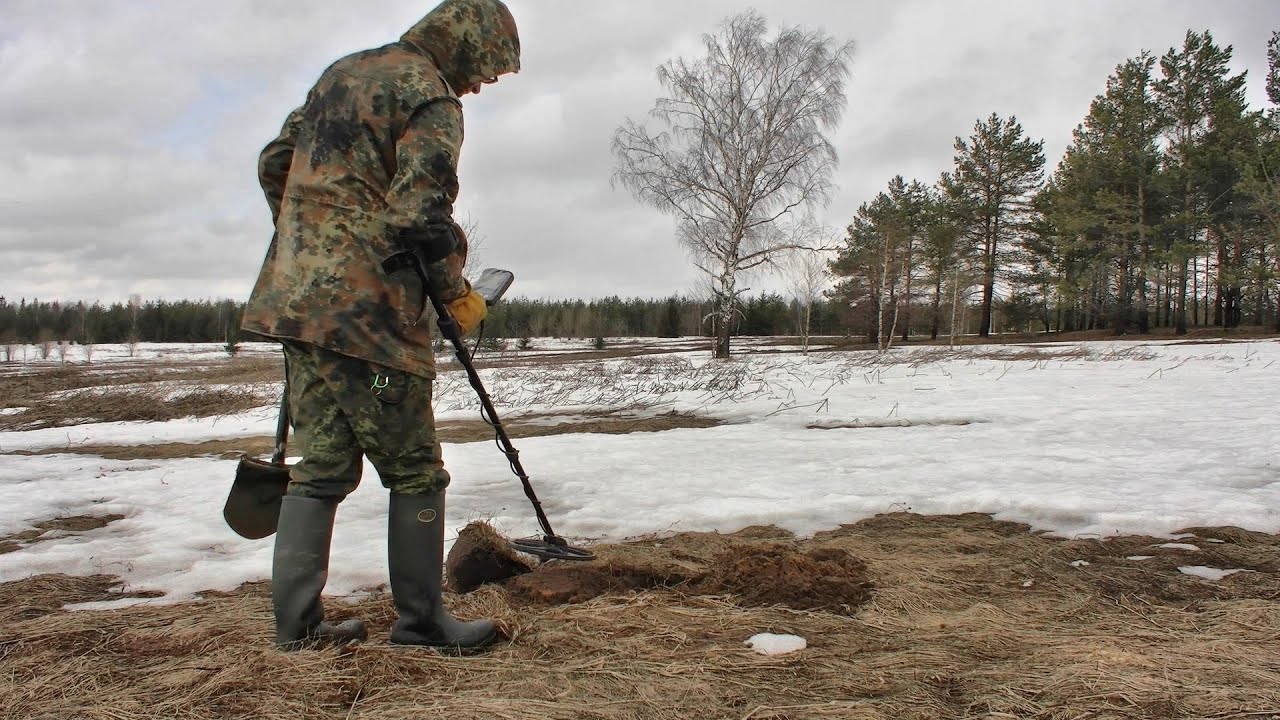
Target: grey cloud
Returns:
[[129, 130]]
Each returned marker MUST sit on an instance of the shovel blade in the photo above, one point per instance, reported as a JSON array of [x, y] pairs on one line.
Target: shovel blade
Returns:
[[253, 505]]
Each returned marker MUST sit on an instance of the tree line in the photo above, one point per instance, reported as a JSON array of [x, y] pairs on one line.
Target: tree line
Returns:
[[1163, 212], [37, 322]]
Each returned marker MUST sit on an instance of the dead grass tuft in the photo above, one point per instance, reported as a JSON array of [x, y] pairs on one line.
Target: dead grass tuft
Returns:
[[42, 595], [57, 527], [153, 404], [451, 431]]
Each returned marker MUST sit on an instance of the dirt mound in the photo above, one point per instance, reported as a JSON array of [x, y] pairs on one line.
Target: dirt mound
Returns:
[[479, 556], [568, 584], [755, 573], [824, 578]]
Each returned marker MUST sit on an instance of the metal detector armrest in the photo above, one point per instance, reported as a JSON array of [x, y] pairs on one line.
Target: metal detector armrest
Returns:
[[493, 284]]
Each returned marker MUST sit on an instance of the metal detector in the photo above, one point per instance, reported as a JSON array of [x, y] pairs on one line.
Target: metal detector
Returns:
[[492, 284]]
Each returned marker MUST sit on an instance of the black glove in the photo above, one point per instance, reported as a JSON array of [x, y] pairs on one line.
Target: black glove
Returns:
[[422, 246]]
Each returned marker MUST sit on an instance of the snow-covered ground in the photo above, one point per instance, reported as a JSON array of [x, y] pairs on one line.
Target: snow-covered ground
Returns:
[[1110, 438]]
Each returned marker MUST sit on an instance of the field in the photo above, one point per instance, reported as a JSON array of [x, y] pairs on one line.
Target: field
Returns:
[[1077, 529]]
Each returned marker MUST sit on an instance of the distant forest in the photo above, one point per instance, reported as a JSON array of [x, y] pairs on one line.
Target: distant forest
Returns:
[[36, 322], [47, 323]]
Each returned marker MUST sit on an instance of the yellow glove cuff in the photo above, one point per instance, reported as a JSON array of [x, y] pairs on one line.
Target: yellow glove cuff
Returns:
[[469, 311]]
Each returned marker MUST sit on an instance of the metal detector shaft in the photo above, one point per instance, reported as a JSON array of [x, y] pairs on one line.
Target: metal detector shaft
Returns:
[[449, 328]]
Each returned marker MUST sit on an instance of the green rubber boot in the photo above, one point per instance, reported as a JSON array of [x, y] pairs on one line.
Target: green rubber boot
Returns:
[[415, 545], [298, 574]]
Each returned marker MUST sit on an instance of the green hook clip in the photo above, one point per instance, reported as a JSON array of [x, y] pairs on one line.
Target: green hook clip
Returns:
[[380, 383]]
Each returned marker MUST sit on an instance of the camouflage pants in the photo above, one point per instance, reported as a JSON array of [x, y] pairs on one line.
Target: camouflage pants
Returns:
[[344, 409]]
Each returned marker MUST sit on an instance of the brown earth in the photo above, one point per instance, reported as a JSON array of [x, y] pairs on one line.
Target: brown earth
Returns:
[[968, 618], [56, 527], [759, 566]]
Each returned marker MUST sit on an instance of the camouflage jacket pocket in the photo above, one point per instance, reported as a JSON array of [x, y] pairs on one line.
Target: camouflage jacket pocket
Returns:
[[388, 385]]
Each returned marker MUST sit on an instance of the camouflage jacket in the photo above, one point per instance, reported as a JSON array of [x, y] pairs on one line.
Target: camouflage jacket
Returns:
[[366, 165]]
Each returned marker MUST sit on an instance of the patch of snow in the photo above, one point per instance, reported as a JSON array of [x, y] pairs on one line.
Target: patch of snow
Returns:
[[1065, 462], [1179, 546], [1209, 573], [770, 644]]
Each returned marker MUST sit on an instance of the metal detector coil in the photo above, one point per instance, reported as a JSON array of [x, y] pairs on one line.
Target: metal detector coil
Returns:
[[549, 547]]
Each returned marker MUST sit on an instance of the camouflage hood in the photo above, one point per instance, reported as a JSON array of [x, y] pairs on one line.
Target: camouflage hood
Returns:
[[471, 41]]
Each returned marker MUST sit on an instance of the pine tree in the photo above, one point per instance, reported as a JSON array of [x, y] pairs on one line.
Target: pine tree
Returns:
[[877, 259], [1195, 78], [997, 171], [1102, 199]]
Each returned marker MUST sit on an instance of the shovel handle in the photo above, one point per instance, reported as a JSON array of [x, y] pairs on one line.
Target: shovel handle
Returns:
[[282, 422]]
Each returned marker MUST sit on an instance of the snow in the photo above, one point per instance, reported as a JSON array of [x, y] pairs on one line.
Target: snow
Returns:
[[96, 355], [1106, 438], [770, 644], [1209, 573], [1179, 546]]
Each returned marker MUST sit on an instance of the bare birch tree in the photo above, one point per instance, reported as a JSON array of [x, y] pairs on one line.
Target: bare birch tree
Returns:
[[742, 153], [807, 278], [133, 336]]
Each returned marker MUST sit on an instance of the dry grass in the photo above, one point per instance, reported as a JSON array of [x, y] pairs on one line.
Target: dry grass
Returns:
[[953, 630], [959, 617], [26, 385], [611, 422], [50, 529], [62, 395], [156, 403]]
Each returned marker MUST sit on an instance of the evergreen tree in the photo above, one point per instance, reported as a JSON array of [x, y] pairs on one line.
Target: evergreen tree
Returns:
[[1195, 78], [1102, 198], [940, 253], [997, 171]]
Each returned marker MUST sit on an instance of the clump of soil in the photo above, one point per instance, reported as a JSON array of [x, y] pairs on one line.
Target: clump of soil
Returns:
[[756, 573], [579, 582], [479, 556], [824, 578]]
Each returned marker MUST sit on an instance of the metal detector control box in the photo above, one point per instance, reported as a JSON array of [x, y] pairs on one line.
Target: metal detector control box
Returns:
[[493, 283]]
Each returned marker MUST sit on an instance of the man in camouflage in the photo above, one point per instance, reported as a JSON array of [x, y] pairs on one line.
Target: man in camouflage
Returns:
[[365, 169]]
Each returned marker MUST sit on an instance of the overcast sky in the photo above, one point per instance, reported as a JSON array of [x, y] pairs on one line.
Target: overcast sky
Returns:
[[130, 129]]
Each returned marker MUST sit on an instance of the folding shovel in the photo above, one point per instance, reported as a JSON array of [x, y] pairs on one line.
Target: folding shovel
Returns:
[[253, 504]]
